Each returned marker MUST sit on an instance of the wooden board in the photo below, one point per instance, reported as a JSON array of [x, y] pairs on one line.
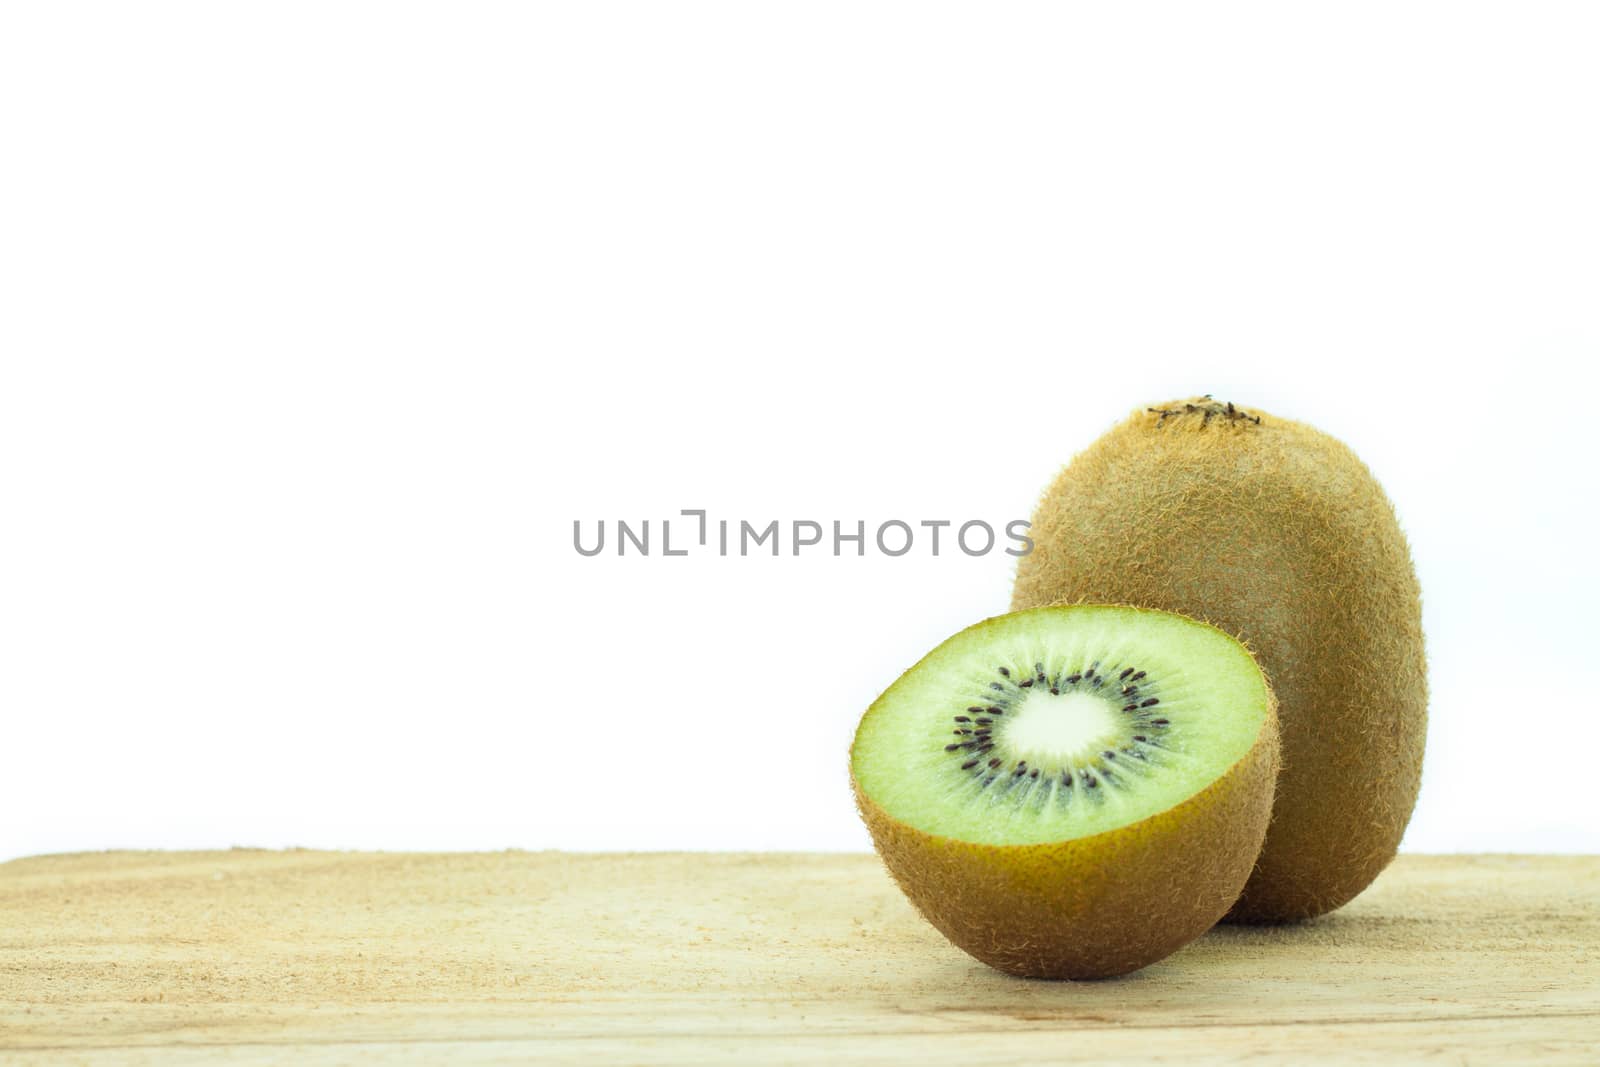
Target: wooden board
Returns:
[[317, 957]]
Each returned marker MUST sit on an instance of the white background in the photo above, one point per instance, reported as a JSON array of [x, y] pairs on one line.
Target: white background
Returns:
[[322, 323]]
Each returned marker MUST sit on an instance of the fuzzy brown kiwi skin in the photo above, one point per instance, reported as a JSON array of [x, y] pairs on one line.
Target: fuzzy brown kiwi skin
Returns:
[[1094, 907], [1278, 534]]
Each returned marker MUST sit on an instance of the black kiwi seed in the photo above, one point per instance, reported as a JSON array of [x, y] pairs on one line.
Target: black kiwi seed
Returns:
[[1108, 754], [1140, 737], [975, 710], [1124, 675], [1130, 707], [1138, 676], [963, 718], [951, 748], [1024, 685], [1054, 691], [1158, 722], [971, 763], [1152, 702], [1004, 673], [1035, 773], [981, 721], [992, 710], [1075, 679], [994, 763]]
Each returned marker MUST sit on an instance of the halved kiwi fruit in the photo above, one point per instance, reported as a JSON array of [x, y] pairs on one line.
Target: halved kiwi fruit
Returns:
[[1072, 792]]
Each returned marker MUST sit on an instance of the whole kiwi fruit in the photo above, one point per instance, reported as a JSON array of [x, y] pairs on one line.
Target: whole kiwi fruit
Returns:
[[1276, 533], [1072, 792]]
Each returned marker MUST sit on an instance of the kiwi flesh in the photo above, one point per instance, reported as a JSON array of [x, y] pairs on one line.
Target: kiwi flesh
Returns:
[[1276, 532], [1071, 792]]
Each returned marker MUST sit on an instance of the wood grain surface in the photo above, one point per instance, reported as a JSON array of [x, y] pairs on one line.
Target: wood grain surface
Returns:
[[319, 957]]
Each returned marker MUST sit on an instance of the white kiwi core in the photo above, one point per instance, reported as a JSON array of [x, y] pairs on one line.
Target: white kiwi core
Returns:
[[1058, 727]]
